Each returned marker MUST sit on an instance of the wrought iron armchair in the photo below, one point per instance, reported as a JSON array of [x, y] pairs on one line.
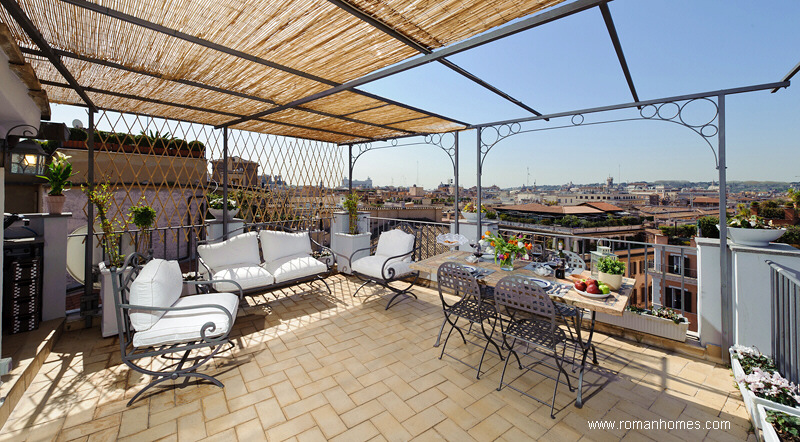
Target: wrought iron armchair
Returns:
[[389, 262], [190, 323], [530, 319], [472, 306]]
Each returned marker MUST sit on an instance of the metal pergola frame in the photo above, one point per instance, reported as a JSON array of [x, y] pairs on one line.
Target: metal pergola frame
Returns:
[[89, 302]]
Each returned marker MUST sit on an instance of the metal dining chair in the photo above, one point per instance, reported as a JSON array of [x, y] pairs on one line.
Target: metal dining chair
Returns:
[[472, 306], [530, 318]]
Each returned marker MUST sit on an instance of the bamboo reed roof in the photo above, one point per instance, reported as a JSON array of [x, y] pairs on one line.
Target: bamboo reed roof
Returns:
[[154, 70]]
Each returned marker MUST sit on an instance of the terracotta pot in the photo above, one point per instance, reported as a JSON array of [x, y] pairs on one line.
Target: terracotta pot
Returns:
[[55, 203]]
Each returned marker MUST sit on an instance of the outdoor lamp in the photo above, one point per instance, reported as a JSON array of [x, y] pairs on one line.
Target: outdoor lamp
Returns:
[[598, 254], [27, 158], [24, 157]]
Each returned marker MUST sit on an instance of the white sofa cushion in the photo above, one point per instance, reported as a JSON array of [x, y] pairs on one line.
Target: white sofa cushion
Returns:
[[159, 284], [394, 243], [185, 325], [296, 266], [373, 266], [239, 251], [276, 245], [247, 276]]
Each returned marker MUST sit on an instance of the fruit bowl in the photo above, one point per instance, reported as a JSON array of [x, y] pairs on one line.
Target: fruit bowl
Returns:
[[592, 295]]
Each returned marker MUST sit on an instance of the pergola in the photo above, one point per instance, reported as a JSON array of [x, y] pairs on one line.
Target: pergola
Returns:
[[294, 68]]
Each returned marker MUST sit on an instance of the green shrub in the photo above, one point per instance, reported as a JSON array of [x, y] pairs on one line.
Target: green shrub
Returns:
[[708, 226]]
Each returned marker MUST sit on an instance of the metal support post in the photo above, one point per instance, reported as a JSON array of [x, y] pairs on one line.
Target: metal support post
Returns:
[[478, 225], [225, 183], [89, 302], [455, 179], [350, 169], [724, 270]]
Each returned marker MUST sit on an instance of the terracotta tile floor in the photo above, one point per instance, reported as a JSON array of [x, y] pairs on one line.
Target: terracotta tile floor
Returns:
[[314, 367]]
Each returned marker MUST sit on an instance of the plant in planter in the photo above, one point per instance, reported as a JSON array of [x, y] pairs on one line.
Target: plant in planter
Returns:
[[663, 322], [752, 230], [470, 211], [350, 204], [216, 205], [771, 386], [610, 271], [197, 149], [143, 217], [786, 426], [57, 174]]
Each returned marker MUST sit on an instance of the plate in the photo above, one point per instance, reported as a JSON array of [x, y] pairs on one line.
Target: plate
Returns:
[[591, 295], [541, 282], [470, 268]]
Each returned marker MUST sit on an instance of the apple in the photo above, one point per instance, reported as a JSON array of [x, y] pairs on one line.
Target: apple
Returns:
[[580, 286], [591, 281], [593, 290], [605, 290]]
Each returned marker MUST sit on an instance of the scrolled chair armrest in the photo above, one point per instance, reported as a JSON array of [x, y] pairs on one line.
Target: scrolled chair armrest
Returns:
[[391, 271], [332, 253], [204, 329], [370, 248], [216, 281]]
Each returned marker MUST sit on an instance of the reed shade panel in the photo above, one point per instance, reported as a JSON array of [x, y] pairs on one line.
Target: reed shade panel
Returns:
[[312, 36]]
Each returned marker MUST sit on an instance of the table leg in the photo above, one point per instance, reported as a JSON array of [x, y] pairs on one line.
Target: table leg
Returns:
[[439, 338], [585, 347]]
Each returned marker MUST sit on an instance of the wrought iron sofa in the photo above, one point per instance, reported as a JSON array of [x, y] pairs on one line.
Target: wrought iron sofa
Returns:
[[156, 321], [263, 260]]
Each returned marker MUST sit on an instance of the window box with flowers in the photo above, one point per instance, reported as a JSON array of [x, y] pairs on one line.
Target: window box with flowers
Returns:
[[663, 322]]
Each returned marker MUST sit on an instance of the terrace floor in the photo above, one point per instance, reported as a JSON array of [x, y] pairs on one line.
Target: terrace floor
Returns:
[[314, 367]]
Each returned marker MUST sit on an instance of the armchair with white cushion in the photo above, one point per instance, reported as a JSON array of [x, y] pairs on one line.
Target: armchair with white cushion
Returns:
[[390, 261], [155, 320]]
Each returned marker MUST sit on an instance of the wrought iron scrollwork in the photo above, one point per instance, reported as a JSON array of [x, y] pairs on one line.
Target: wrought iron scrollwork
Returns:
[[445, 141], [669, 111]]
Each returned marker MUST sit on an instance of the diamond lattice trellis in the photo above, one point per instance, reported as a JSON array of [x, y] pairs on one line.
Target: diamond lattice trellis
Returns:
[[173, 166]]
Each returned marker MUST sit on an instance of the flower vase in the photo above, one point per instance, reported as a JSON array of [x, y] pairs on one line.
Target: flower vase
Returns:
[[507, 264]]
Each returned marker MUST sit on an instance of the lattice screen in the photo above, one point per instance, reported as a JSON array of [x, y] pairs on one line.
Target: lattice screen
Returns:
[[175, 165]]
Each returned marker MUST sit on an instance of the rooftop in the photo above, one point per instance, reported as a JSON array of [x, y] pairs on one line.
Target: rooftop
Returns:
[[309, 366]]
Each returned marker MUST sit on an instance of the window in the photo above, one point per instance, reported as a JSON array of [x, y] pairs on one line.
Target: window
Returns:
[[673, 299], [677, 267]]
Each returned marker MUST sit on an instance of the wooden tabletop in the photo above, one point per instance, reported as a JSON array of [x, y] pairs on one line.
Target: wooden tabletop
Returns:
[[613, 305]]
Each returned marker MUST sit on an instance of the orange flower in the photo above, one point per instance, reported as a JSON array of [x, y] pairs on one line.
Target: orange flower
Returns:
[[488, 233], [492, 243], [528, 246]]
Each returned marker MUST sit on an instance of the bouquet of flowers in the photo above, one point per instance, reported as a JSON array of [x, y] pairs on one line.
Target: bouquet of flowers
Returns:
[[507, 250]]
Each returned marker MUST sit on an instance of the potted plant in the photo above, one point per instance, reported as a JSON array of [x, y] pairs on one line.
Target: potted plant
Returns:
[[197, 149], [779, 425], [102, 196], [507, 251], [57, 174], [352, 235], [770, 389], [470, 212], [663, 321], [610, 271], [751, 230], [143, 217], [216, 206]]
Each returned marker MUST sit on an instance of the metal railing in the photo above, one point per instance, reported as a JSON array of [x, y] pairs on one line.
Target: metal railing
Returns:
[[785, 309], [426, 233]]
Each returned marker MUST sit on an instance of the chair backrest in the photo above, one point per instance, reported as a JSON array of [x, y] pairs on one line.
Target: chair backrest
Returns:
[[276, 244], [456, 279], [575, 262], [518, 293], [121, 280], [239, 250], [397, 243]]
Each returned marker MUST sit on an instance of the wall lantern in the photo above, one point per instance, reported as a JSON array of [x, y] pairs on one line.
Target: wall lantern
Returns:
[[24, 157]]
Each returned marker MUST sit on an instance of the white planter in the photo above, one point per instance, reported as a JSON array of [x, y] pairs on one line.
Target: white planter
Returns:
[[769, 433], [754, 237], [218, 213], [469, 216], [755, 405], [108, 326], [736, 367], [614, 282], [345, 245], [652, 325]]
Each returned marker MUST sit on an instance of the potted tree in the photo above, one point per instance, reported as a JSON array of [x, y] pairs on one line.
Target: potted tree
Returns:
[[143, 217], [57, 174], [355, 235], [610, 271], [111, 242]]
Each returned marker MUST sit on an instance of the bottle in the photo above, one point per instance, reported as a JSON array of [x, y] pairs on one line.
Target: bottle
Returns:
[[560, 269]]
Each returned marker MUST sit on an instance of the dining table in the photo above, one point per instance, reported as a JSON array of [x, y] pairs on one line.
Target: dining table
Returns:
[[489, 273]]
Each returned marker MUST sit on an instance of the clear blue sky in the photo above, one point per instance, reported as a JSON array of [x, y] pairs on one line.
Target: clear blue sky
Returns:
[[673, 47]]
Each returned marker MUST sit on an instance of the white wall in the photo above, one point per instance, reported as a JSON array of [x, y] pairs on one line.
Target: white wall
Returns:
[[750, 287]]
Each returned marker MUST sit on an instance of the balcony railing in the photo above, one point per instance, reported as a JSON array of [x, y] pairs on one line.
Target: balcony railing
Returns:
[[785, 308]]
